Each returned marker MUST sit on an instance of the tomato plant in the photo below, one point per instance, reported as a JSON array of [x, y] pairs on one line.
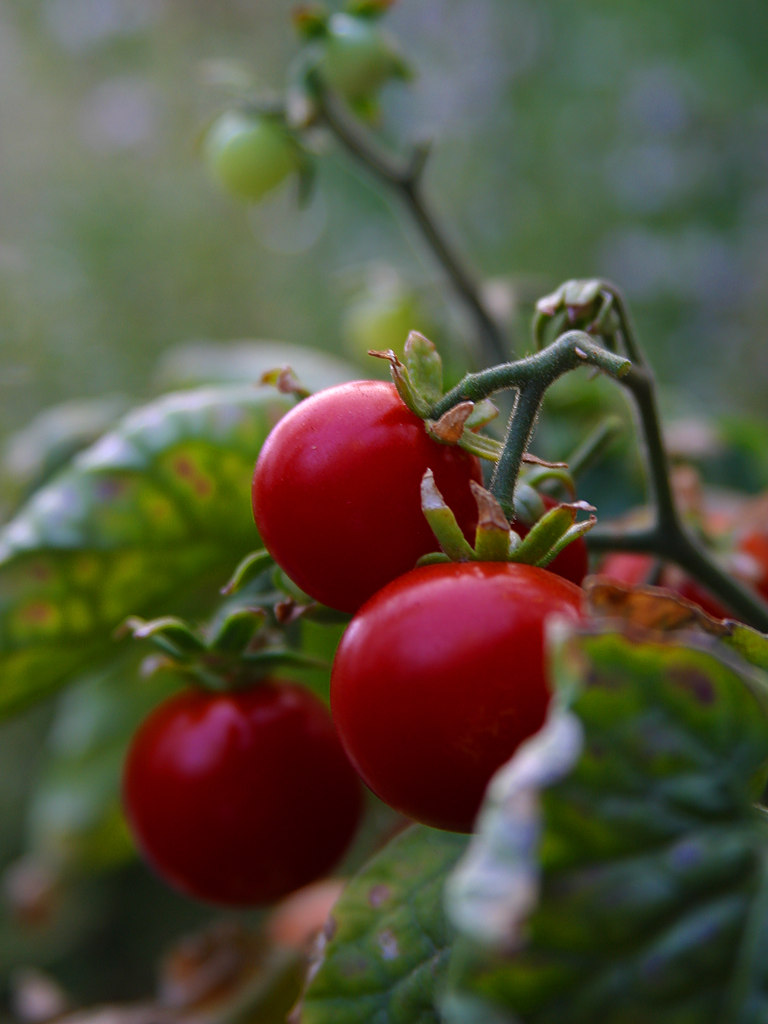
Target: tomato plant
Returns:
[[241, 797], [336, 491], [249, 154], [440, 676]]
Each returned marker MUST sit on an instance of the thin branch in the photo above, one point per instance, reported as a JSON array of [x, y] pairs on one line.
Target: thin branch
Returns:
[[404, 179]]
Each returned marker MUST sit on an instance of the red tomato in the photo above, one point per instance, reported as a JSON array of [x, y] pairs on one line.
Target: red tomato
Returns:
[[440, 676], [336, 491], [755, 544], [239, 798]]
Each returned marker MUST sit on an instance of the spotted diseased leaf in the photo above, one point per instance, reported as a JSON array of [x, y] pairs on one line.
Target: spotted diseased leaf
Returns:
[[148, 520], [389, 937], [619, 873]]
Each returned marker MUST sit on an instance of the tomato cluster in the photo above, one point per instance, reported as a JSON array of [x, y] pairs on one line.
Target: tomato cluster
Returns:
[[240, 797], [441, 673]]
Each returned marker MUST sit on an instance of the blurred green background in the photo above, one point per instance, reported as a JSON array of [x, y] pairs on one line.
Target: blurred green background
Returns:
[[626, 139]]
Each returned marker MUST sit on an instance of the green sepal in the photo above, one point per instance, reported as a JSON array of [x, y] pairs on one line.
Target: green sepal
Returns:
[[310, 20], [528, 503], [443, 522], [550, 534], [251, 567], [236, 630], [482, 414], [171, 634], [433, 558], [401, 378], [269, 660], [481, 446], [535, 477], [372, 9], [425, 368]]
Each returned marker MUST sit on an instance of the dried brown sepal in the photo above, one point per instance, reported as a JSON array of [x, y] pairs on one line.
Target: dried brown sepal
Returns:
[[285, 381], [288, 611], [493, 538], [534, 460], [450, 427], [648, 609], [208, 965], [490, 514]]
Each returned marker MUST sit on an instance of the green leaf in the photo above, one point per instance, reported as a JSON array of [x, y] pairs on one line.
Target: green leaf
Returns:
[[390, 940], [619, 873], [144, 522], [749, 643], [75, 822], [199, 363]]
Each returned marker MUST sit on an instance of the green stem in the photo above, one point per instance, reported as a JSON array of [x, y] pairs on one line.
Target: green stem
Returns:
[[569, 351], [674, 543], [404, 178], [521, 424], [668, 537], [530, 377]]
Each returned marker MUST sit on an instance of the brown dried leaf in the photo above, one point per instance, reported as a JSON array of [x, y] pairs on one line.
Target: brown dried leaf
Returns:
[[648, 609]]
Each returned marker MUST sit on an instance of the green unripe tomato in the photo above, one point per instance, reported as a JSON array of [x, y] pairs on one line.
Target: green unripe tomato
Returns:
[[358, 56], [249, 154]]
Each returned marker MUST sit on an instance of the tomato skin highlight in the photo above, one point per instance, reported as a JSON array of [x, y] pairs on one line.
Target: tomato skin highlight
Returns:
[[438, 679], [240, 798], [336, 491]]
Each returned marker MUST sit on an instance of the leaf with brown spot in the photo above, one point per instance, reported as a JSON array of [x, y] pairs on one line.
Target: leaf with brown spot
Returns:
[[386, 960], [618, 872]]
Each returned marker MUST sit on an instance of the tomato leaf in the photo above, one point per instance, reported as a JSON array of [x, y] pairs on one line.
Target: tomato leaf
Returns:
[[75, 822], [141, 523], [619, 872], [390, 936]]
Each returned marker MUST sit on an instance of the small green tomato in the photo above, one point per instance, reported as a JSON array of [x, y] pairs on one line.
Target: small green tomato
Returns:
[[358, 56], [249, 154]]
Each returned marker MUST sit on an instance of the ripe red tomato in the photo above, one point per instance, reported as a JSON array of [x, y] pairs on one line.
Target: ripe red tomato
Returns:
[[440, 676], [336, 491], [755, 544], [239, 798]]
